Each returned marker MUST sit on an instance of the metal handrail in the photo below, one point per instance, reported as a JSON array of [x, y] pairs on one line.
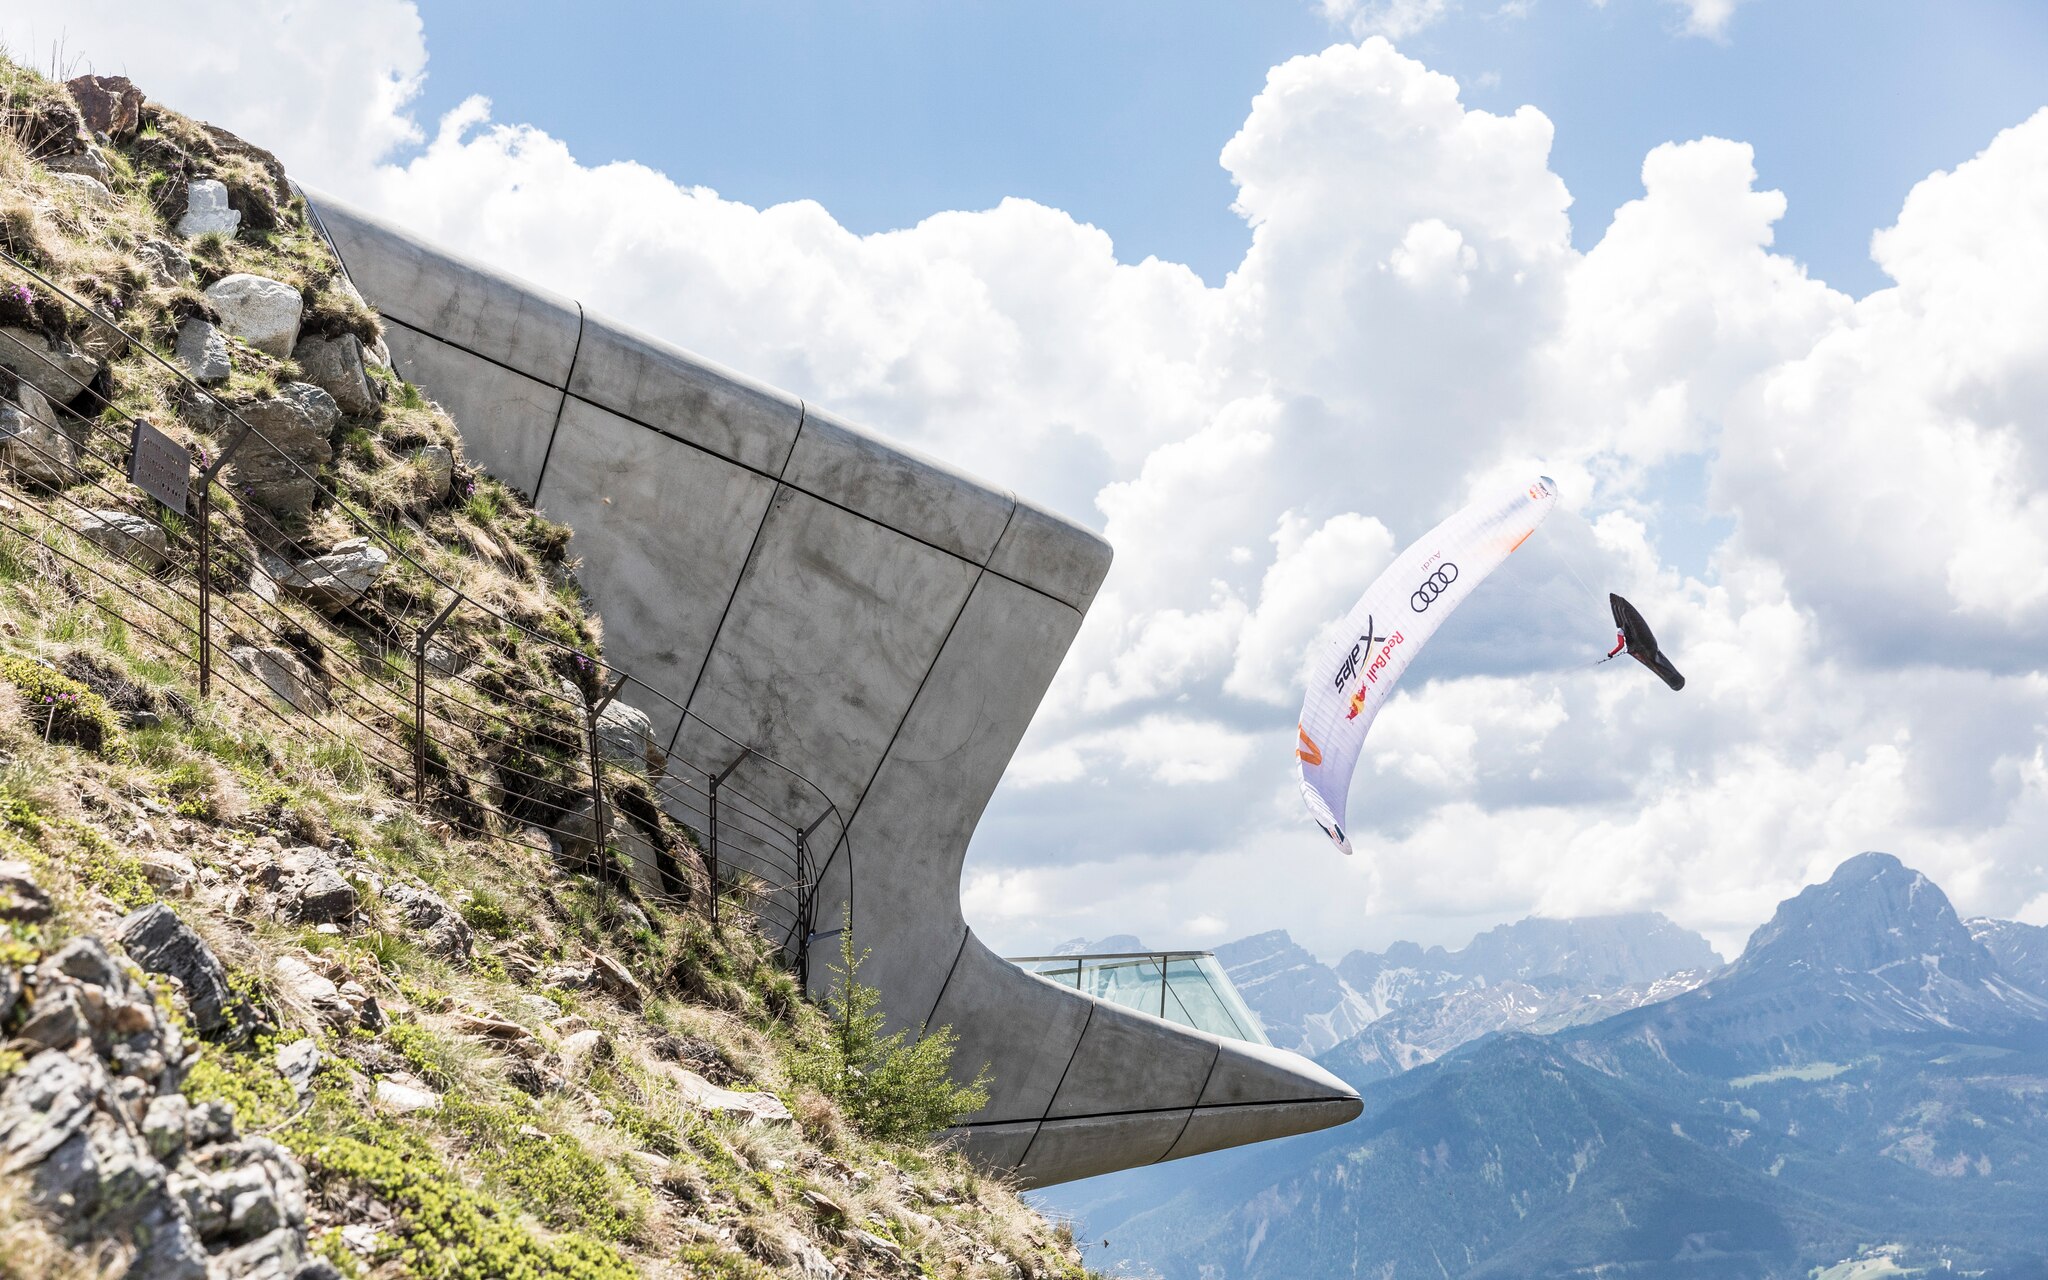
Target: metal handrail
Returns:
[[792, 842]]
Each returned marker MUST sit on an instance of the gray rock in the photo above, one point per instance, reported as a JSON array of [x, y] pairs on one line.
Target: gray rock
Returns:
[[440, 928], [164, 1124], [444, 659], [53, 366], [210, 1122], [141, 542], [87, 188], [297, 1062], [203, 350], [166, 263], [335, 365], [46, 1103], [32, 445], [206, 210], [11, 987], [279, 470], [302, 986], [262, 312], [87, 162], [21, 898], [312, 888], [281, 672], [433, 471], [160, 942], [58, 1021], [84, 959], [625, 733], [338, 579]]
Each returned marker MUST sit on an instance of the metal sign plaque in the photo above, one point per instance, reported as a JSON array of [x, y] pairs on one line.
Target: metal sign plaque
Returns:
[[160, 466]]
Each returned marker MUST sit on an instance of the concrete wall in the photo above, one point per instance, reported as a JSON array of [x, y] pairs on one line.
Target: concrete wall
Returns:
[[869, 617]]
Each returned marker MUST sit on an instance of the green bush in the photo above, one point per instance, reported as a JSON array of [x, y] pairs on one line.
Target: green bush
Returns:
[[64, 709], [892, 1088]]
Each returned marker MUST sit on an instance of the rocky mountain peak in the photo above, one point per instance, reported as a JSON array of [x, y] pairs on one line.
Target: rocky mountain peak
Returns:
[[1874, 911]]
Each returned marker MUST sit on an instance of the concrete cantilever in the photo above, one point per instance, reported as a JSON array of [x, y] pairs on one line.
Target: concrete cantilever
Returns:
[[870, 618]]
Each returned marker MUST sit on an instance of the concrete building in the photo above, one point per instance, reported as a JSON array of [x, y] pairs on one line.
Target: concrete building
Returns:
[[868, 617]]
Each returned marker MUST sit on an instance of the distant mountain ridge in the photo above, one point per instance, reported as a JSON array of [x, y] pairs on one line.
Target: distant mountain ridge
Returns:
[[1536, 972], [1868, 1079]]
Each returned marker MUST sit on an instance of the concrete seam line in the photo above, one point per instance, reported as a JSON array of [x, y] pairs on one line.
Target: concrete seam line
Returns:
[[1210, 1075], [739, 580], [959, 951], [666, 434], [423, 331], [561, 406], [1157, 1111], [938, 655], [1078, 1042]]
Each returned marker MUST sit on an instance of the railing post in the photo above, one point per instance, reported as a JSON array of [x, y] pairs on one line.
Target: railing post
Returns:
[[206, 476], [597, 814], [419, 702], [205, 587], [715, 783]]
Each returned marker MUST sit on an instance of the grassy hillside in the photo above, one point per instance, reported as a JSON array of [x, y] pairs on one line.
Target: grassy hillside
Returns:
[[486, 1060]]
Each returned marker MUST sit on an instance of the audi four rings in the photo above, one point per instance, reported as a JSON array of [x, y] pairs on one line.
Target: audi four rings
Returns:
[[1433, 586]]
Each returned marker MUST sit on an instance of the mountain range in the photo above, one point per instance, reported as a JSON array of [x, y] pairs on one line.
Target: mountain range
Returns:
[[1863, 1092]]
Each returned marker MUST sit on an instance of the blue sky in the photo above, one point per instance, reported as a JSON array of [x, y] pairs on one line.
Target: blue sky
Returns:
[[889, 111], [1826, 484]]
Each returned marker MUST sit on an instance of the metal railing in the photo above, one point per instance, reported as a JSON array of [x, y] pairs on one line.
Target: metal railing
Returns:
[[1188, 987], [521, 738]]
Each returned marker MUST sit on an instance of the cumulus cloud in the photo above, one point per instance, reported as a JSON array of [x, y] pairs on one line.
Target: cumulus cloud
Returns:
[[1861, 626]]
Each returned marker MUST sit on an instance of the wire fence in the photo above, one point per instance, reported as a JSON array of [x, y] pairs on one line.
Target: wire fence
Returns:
[[510, 734]]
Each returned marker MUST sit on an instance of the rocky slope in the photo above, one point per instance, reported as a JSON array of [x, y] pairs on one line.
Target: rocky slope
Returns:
[[260, 1015]]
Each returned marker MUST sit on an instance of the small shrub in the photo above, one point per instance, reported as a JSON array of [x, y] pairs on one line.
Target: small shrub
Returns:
[[890, 1087], [64, 709]]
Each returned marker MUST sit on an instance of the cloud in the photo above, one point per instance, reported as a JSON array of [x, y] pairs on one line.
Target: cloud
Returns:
[[1860, 483], [1394, 19]]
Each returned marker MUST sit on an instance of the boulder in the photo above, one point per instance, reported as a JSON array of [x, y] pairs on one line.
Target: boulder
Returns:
[[166, 263], [612, 977], [262, 312], [311, 888], [433, 471], [21, 898], [207, 211], [87, 188], [108, 104], [160, 942], [86, 163], [279, 471], [748, 1108], [299, 984], [336, 580], [297, 1062], [438, 926], [625, 733], [284, 675], [32, 445], [335, 365], [53, 366], [203, 350], [140, 541], [403, 1095]]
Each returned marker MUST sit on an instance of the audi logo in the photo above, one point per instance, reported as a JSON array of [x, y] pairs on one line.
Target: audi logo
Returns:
[[1433, 586]]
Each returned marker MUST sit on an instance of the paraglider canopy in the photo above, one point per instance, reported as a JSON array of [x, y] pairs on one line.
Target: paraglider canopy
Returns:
[[1641, 644]]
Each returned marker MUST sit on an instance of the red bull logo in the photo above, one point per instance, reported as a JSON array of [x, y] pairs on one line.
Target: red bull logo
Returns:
[[1372, 675]]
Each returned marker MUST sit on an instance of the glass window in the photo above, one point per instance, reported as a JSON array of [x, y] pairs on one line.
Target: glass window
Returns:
[[1187, 987]]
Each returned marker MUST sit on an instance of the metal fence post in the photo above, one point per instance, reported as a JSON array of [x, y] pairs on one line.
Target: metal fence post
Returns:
[[206, 478], [715, 784], [600, 831], [419, 702], [205, 588]]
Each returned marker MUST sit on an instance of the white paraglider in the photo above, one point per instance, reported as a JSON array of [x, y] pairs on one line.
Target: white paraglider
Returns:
[[1388, 626]]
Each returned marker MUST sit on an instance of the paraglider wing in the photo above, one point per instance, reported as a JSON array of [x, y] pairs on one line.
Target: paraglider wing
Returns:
[[1641, 644], [1356, 674]]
